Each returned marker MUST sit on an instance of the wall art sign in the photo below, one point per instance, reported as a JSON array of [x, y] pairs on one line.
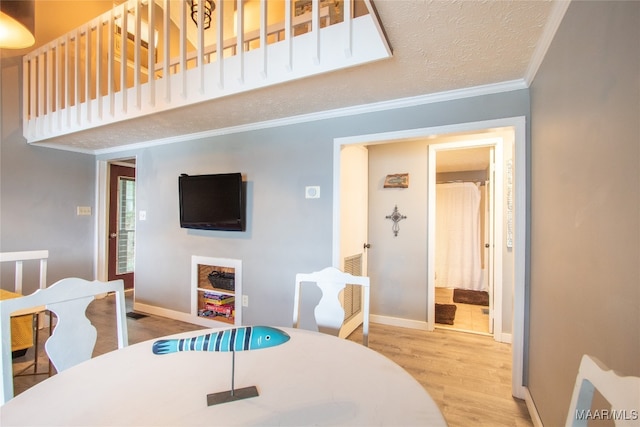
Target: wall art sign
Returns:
[[397, 180]]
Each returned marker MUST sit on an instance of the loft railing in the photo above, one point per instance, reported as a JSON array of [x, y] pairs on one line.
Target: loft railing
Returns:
[[146, 56]]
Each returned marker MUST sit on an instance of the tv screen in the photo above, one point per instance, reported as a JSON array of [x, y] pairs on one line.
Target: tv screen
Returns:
[[212, 202]]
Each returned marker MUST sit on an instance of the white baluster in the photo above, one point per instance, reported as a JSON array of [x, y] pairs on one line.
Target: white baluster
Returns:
[[183, 47], [151, 50], [166, 73], [240, 38]]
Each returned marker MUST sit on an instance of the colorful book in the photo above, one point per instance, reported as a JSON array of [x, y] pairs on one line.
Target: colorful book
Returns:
[[220, 301]]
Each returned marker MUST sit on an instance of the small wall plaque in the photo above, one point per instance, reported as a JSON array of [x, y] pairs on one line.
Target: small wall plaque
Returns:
[[398, 180]]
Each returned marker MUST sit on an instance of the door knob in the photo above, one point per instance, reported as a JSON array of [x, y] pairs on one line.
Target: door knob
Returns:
[[367, 246], [113, 235]]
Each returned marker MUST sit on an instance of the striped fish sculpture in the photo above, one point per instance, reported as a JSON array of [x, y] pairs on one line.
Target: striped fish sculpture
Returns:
[[238, 339]]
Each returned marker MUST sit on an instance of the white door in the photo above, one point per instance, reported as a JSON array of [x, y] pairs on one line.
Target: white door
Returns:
[[354, 211]]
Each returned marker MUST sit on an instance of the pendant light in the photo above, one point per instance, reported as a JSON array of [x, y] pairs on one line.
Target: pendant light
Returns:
[[17, 24], [205, 6]]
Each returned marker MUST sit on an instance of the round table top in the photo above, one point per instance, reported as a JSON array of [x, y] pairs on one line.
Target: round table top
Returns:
[[313, 379]]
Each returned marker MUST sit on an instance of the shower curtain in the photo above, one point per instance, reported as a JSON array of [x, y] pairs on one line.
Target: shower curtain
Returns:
[[458, 263]]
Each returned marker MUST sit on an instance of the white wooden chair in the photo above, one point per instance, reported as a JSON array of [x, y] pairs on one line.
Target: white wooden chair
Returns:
[[21, 340], [19, 257], [74, 337], [329, 313], [623, 393]]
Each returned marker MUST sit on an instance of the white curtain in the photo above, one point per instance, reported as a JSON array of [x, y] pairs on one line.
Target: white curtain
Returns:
[[458, 263]]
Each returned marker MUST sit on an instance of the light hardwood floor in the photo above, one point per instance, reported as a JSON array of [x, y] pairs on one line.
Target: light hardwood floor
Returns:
[[468, 376]]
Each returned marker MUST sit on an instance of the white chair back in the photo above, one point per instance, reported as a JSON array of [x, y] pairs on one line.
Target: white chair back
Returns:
[[18, 258], [623, 393], [74, 336], [329, 313]]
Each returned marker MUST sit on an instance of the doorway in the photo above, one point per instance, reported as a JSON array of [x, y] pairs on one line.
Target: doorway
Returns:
[[122, 222], [465, 221], [517, 224]]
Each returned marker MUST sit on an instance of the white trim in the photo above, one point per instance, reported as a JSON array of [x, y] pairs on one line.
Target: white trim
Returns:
[[101, 247], [336, 241], [519, 247], [236, 264], [177, 315], [559, 8], [101, 222], [505, 338], [520, 214], [169, 314], [396, 321], [531, 407], [451, 95]]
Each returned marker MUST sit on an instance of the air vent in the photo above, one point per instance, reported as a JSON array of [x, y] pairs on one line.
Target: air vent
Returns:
[[352, 293]]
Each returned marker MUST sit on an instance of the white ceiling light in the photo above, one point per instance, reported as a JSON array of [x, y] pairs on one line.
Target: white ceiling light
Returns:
[[16, 24]]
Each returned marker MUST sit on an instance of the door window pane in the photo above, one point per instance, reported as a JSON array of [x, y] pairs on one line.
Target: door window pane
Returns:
[[126, 224]]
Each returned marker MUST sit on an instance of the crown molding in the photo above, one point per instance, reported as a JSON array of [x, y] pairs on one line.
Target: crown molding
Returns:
[[548, 33], [413, 101]]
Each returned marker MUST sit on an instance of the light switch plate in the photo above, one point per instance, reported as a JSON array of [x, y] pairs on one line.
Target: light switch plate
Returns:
[[83, 210]]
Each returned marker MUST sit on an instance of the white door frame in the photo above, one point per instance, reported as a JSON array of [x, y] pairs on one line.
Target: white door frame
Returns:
[[101, 249], [520, 222], [497, 182], [354, 182]]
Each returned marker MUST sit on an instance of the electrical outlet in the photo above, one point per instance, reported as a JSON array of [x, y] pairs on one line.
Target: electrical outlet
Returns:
[[245, 300]]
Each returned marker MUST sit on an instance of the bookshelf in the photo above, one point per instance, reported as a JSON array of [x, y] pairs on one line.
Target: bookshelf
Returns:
[[216, 291]]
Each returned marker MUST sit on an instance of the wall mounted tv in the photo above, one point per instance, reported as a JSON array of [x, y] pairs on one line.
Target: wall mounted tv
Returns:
[[212, 202]]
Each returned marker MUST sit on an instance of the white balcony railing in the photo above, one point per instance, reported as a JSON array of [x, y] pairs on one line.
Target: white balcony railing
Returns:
[[99, 74]]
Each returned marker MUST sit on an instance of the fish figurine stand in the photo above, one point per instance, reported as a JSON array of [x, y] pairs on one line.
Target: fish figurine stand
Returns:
[[233, 394], [230, 340]]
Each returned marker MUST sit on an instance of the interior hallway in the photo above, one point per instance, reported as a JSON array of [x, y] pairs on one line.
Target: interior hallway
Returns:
[[468, 376]]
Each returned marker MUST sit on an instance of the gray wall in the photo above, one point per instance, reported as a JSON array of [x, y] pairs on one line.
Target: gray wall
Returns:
[[39, 191], [585, 201], [286, 233]]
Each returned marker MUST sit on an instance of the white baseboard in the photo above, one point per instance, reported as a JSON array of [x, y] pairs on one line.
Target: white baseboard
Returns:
[[396, 321], [505, 338], [533, 411], [417, 324], [175, 315]]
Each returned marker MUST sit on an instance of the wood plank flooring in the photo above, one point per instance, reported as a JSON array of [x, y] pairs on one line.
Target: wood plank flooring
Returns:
[[468, 376]]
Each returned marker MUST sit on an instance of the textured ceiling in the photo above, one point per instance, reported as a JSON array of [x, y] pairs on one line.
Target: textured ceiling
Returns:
[[437, 46]]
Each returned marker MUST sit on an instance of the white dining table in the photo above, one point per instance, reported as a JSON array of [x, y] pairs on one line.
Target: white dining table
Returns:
[[313, 379]]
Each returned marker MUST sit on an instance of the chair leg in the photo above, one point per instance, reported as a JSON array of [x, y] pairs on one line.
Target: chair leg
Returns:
[[36, 356]]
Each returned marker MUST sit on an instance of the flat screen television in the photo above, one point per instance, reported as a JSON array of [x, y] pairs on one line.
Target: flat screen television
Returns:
[[212, 202]]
